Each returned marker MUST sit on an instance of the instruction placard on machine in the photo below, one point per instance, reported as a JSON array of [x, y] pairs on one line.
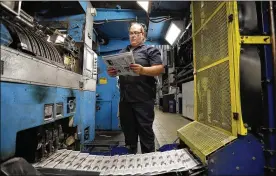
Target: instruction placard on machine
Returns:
[[121, 63]]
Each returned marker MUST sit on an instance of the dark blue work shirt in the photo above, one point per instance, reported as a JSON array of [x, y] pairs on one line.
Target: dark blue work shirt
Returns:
[[140, 88]]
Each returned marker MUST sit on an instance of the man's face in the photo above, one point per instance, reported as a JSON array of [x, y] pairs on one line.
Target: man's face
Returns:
[[136, 35]]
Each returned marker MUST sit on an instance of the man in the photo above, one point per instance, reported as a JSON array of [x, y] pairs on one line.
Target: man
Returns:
[[136, 106]]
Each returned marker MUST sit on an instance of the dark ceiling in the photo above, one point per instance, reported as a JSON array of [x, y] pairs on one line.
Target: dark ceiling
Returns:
[[49, 9]]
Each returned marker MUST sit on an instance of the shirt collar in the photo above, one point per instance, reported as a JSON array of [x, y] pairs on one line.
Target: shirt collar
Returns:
[[129, 46]]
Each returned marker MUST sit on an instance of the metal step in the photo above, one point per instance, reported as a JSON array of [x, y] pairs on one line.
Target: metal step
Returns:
[[202, 139]]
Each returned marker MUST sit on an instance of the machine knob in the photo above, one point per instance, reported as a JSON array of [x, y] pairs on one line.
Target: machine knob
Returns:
[[71, 104]]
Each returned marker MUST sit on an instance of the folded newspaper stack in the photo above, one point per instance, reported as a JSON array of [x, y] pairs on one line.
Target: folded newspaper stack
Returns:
[[121, 63], [140, 164]]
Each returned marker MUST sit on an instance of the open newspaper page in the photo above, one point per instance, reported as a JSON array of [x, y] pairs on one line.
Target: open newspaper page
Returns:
[[121, 62]]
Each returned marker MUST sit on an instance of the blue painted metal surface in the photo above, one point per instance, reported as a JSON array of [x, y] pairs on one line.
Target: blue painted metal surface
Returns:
[[242, 157], [157, 31], [107, 100], [119, 30], [168, 147], [114, 14], [114, 30], [271, 109], [5, 37], [103, 115], [84, 5], [22, 107]]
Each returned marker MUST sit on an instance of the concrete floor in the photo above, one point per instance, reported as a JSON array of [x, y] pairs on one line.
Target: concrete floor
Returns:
[[165, 126]]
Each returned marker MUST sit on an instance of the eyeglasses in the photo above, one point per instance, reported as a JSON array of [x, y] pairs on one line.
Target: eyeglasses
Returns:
[[134, 33]]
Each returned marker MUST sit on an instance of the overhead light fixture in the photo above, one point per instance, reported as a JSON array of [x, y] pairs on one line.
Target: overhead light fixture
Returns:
[[173, 32], [144, 5]]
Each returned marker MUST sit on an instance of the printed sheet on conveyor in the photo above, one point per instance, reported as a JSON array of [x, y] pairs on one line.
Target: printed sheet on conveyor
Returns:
[[121, 63], [139, 164]]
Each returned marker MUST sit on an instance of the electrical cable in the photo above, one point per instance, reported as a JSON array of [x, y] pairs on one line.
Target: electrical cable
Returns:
[[155, 20], [186, 40], [115, 20], [163, 20], [160, 17]]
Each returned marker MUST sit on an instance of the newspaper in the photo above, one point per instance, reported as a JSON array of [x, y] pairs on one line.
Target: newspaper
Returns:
[[140, 164], [121, 62]]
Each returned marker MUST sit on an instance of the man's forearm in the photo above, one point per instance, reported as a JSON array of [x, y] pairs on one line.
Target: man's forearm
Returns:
[[153, 70]]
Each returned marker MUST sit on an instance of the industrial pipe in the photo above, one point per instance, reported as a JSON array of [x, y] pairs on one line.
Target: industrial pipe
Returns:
[[271, 122], [185, 73], [185, 67], [186, 79], [272, 26]]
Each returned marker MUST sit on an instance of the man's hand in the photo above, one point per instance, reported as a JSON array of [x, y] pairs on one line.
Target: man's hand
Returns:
[[111, 72], [136, 68]]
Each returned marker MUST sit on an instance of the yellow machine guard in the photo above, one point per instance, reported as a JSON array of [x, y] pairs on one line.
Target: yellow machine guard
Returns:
[[216, 51]]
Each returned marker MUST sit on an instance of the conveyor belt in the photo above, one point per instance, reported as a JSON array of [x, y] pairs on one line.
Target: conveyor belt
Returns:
[[149, 164]]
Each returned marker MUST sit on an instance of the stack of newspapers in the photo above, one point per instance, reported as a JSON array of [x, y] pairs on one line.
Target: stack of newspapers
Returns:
[[139, 164]]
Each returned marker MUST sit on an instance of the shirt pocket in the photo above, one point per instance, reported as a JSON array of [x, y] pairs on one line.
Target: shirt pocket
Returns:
[[141, 59]]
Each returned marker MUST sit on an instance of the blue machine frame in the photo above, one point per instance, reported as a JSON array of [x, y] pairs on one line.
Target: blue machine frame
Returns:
[[247, 155], [270, 89], [22, 105], [242, 157], [108, 97]]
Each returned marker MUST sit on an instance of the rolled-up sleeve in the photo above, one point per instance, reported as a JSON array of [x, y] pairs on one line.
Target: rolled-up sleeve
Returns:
[[154, 56]]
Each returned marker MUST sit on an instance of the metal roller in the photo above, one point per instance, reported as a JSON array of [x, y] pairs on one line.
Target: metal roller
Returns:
[[35, 42], [250, 67], [248, 19], [251, 86], [29, 40], [19, 38]]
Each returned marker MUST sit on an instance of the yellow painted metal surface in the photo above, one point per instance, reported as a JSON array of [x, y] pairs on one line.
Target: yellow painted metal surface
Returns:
[[236, 47], [212, 60], [216, 47], [103, 80], [216, 51], [202, 139], [255, 40]]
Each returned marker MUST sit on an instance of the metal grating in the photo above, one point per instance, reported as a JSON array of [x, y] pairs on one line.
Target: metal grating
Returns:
[[202, 139], [211, 43], [202, 11], [213, 73], [213, 97]]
